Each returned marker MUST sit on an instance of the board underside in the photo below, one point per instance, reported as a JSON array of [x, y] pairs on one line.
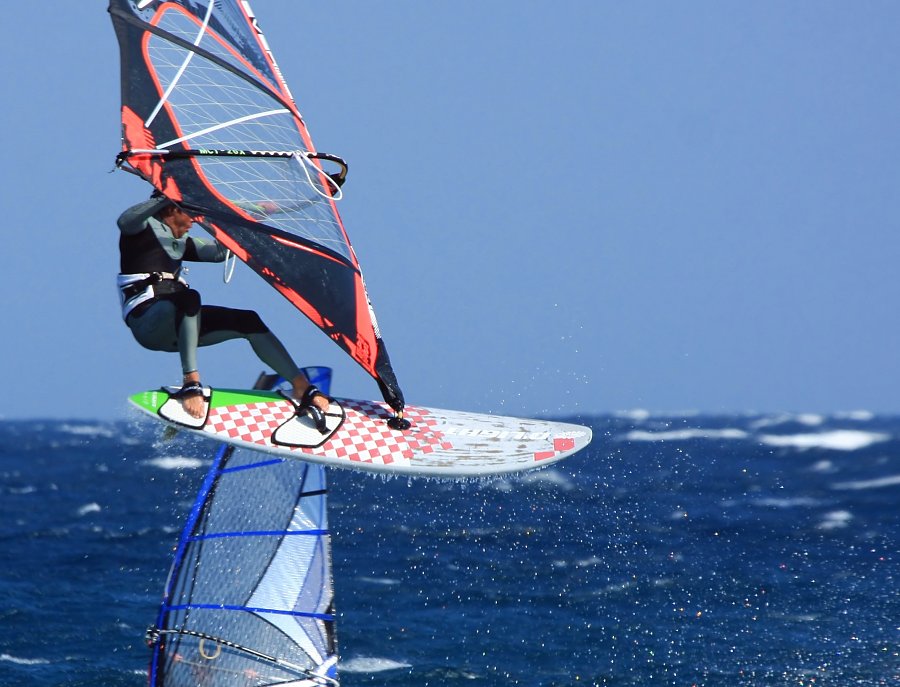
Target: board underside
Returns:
[[440, 443]]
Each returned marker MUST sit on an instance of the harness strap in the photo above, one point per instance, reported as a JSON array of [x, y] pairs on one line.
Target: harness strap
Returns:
[[156, 278], [137, 291]]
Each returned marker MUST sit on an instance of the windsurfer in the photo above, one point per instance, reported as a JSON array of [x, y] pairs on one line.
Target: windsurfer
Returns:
[[165, 314]]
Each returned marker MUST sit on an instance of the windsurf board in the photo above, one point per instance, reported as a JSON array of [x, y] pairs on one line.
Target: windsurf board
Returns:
[[438, 443]]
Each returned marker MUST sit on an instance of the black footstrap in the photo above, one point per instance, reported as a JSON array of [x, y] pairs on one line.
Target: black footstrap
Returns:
[[305, 405], [188, 390]]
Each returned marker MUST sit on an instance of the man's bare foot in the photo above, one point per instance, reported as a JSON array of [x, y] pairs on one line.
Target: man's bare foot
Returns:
[[301, 384], [193, 403]]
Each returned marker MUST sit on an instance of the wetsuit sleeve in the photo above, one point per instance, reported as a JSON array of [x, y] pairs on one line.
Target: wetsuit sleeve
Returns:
[[134, 219], [201, 250]]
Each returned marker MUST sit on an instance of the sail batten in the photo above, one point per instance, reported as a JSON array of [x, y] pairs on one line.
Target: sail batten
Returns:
[[260, 533], [251, 609], [224, 125]]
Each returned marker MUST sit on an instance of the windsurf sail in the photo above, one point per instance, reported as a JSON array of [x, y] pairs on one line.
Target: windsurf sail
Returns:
[[249, 598], [209, 121]]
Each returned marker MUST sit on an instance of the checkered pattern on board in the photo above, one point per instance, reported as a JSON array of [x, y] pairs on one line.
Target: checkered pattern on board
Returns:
[[253, 422], [359, 439]]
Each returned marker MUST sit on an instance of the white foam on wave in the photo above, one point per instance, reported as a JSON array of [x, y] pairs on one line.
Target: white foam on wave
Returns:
[[386, 581], [808, 419], [23, 661], [589, 562], [88, 430], [835, 519], [544, 478], [175, 463], [371, 664], [877, 483], [857, 415], [686, 434], [638, 414], [835, 440], [501, 485], [617, 587], [88, 508], [548, 478], [786, 502]]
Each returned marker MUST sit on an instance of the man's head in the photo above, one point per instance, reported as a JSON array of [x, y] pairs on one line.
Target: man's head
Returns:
[[176, 219]]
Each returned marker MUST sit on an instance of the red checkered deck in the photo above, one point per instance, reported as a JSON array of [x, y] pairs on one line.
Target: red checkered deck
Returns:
[[364, 436]]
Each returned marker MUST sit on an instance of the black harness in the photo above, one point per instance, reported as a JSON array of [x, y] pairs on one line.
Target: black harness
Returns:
[[162, 283]]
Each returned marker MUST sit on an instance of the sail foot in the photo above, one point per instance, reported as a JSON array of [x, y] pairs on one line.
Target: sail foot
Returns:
[[387, 379]]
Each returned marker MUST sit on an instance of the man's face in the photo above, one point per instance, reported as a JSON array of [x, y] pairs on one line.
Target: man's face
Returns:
[[179, 222]]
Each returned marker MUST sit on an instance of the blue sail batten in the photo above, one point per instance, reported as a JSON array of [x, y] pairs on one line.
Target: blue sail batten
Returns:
[[253, 466], [251, 609], [260, 533]]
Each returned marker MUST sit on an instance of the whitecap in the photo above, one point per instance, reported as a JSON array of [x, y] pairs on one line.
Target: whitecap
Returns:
[[686, 434], [20, 491], [786, 502], [23, 661], [617, 587], [546, 477], [550, 478], [386, 581], [856, 415], [88, 430], [88, 508], [877, 483], [175, 463], [808, 419], [836, 440], [589, 562], [638, 414], [835, 520], [369, 664]]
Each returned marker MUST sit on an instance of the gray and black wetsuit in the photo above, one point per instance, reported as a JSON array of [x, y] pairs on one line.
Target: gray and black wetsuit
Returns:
[[163, 313]]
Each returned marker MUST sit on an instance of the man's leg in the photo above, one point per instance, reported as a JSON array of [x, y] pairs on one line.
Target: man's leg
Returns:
[[218, 324]]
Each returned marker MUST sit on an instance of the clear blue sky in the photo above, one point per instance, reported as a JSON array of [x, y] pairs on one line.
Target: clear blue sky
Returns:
[[560, 207]]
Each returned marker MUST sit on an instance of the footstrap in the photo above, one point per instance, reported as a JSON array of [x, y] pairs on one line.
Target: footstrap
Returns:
[[188, 390], [305, 405]]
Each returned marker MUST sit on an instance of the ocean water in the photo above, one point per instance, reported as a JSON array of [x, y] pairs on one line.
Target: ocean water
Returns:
[[690, 550]]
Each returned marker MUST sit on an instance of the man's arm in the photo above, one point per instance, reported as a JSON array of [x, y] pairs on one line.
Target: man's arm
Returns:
[[134, 219], [203, 250]]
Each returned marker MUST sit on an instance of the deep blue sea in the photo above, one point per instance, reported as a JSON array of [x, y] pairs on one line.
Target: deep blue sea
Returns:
[[691, 550]]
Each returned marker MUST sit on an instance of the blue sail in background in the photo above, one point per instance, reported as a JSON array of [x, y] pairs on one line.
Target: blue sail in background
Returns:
[[249, 599]]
